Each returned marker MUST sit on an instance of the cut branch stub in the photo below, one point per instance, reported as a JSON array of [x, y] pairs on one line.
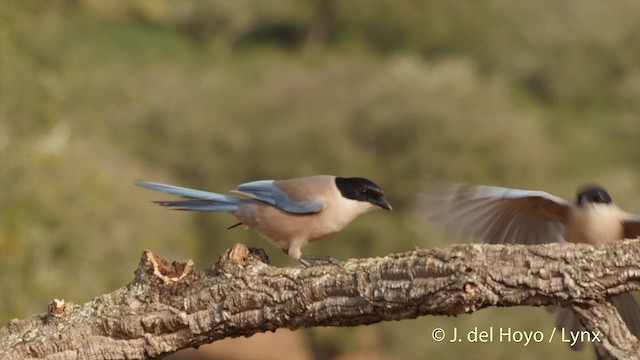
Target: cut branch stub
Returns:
[[152, 266]]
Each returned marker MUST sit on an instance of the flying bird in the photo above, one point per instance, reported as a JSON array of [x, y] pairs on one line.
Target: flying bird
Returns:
[[288, 213], [498, 215]]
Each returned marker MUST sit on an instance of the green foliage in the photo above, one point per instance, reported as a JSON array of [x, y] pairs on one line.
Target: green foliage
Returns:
[[209, 94]]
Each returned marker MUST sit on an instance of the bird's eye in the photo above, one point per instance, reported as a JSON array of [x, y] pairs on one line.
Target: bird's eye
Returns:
[[365, 192]]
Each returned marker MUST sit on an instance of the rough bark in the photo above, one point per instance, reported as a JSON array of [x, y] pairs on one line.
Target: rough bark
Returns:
[[170, 306]]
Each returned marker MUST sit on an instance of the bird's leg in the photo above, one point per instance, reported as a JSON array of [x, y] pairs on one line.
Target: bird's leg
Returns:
[[303, 259], [304, 262], [234, 225]]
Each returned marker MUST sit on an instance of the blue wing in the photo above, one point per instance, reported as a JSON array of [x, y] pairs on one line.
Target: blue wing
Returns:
[[267, 191]]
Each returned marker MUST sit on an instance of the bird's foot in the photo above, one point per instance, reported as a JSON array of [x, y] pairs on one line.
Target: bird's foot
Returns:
[[316, 258]]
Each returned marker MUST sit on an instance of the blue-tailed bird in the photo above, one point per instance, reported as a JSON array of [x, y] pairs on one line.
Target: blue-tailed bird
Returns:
[[288, 213]]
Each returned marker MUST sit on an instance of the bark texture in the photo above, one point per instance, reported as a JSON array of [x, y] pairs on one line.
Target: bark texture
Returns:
[[170, 306]]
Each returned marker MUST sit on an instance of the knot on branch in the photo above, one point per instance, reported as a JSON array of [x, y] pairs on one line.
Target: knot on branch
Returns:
[[242, 255]]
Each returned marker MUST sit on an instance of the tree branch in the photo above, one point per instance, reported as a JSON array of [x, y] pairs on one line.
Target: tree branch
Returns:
[[169, 306]]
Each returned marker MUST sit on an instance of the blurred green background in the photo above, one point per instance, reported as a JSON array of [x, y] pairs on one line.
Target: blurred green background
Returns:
[[95, 94]]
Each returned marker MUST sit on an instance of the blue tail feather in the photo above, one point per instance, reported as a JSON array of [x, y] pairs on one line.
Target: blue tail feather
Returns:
[[205, 201]]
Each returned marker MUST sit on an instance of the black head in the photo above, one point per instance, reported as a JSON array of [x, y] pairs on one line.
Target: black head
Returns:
[[362, 190], [592, 194]]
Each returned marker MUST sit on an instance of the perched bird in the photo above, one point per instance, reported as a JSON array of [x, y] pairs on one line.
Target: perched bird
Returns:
[[502, 216], [288, 213]]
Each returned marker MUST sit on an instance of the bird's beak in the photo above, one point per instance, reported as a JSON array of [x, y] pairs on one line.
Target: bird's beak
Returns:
[[383, 203]]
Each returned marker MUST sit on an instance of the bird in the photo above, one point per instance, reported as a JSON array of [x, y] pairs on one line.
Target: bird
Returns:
[[288, 213], [498, 215]]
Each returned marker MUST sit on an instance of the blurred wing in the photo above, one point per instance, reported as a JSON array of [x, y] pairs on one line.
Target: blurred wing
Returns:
[[267, 191], [626, 305], [629, 310], [570, 322], [499, 215], [631, 227]]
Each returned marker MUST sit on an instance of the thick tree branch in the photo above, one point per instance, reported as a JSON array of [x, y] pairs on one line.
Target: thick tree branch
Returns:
[[169, 306]]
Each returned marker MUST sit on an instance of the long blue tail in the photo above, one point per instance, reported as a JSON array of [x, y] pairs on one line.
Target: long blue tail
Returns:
[[204, 200]]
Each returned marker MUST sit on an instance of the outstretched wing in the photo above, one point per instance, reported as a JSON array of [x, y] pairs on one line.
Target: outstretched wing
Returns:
[[499, 215], [269, 192]]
